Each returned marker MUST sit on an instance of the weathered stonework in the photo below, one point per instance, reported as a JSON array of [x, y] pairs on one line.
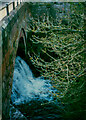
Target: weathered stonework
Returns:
[[12, 29]]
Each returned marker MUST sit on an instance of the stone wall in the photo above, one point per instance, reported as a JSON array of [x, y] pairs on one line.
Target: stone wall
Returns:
[[12, 29]]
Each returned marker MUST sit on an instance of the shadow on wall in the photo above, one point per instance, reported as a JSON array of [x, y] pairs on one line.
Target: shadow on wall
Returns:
[[21, 48], [23, 53]]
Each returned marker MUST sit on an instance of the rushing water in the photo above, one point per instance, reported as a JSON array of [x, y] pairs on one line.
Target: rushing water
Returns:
[[32, 92]]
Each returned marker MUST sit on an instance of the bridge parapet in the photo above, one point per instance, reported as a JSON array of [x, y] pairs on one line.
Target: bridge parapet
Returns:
[[4, 11]]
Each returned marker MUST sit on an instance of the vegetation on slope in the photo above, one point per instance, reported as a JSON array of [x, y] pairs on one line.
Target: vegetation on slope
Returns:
[[57, 50]]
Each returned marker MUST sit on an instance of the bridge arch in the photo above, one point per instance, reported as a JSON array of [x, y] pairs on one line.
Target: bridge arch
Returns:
[[21, 50]]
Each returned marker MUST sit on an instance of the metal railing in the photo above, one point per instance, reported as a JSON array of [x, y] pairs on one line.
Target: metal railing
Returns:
[[5, 11]]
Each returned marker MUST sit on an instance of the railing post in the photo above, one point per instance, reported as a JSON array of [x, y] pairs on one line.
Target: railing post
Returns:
[[13, 5], [7, 9], [17, 2], [21, 1]]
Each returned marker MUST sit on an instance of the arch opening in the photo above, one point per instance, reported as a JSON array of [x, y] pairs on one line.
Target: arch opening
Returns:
[[21, 48]]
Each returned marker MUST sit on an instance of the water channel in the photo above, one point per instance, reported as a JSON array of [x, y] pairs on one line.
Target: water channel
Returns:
[[33, 96]]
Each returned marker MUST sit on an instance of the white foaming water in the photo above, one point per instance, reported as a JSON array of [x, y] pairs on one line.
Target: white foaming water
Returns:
[[26, 87]]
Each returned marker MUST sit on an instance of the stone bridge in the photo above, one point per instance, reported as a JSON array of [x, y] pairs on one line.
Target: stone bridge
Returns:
[[12, 30]]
